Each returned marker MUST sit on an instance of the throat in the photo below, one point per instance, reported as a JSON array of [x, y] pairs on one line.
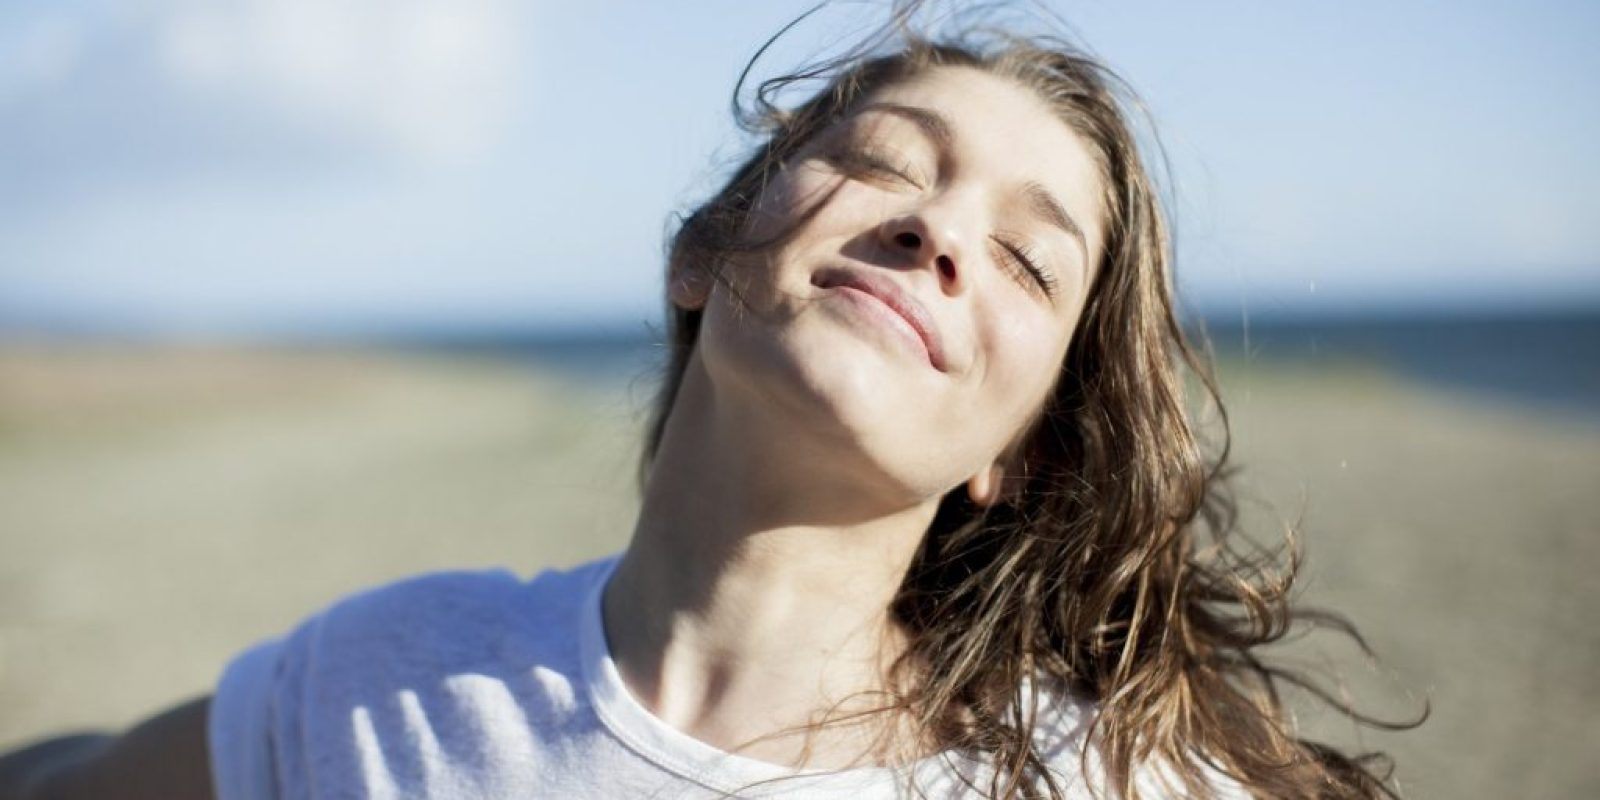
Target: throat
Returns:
[[757, 655]]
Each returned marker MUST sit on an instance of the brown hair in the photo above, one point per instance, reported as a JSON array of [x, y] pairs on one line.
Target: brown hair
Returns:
[[1114, 573]]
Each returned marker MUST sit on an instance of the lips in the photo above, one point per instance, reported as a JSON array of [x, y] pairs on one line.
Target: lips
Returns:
[[898, 300]]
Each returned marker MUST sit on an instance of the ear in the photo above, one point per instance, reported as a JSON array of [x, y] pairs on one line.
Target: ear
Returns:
[[992, 486], [688, 287]]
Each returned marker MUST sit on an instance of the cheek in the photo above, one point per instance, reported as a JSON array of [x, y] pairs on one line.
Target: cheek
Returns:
[[793, 194], [1025, 357]]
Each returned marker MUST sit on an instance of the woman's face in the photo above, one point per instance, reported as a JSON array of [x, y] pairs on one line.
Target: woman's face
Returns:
[[941, 242]]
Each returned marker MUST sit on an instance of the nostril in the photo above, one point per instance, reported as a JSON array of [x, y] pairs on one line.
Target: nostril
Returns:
[[908, 240], [947, 268]]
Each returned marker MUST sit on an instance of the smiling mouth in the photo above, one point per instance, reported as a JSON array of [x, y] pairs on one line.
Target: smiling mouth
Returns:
[[886, 293]]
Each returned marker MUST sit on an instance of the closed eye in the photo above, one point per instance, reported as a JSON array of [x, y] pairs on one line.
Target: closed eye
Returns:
[[1024, 260], [864, 161]]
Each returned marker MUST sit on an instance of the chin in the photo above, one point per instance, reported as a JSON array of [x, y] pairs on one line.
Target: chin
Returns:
[[869, 408], [872, 400], [860, 373]]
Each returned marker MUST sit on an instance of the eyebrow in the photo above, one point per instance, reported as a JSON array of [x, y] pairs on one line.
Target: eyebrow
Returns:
[[932, 123], [1041, 202], [1044, 204]]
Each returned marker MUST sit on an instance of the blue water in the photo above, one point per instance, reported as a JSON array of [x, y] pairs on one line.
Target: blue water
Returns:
[[1548, 362]]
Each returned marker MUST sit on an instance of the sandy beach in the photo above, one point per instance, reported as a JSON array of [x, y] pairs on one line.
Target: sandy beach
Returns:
[[160, 509]]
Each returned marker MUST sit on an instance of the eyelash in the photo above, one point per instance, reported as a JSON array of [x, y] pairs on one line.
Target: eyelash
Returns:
[[1019, 253], [1024, 257], [868, 160]]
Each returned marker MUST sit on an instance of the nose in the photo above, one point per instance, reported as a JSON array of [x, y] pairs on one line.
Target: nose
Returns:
[[925, 243]]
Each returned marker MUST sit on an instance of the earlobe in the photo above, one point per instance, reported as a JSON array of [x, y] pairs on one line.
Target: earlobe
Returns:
[[995, 485], [688, 288], [986, 487]]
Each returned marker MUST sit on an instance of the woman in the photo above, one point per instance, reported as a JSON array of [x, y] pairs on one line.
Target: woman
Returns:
[[923, 511]]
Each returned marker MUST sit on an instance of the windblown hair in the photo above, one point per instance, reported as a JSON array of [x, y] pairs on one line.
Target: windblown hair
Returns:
[[1115, 573]]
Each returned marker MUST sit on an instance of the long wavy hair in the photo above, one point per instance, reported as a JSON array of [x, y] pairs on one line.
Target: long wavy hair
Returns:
[[1115, 573]]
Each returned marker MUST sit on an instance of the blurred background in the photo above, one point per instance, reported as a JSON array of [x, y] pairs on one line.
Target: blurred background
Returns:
[[301, 296]]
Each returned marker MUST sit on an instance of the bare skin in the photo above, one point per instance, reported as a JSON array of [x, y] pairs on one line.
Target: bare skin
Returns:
[[162, 758], [763, 631]]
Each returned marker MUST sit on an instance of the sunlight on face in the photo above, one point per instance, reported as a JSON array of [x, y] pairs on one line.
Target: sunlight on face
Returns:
[[941, 243]]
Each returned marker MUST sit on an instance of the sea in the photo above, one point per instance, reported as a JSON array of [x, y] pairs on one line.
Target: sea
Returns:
[[1549, 362], [1545, 361]]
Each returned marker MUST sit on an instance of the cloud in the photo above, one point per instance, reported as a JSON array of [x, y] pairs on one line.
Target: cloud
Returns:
[[431, 77], [156, 93]]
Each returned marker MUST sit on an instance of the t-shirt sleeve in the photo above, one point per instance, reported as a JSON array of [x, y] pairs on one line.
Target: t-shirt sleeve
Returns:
[[255, 728], [282, 706], [240, 725]]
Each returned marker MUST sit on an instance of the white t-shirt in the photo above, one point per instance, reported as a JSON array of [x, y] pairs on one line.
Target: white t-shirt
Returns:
[[480, 685]]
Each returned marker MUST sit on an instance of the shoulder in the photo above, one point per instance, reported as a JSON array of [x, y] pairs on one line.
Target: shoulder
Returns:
[[455, 615], [437, 638], [439, 620], [1066, 734], [415, 609]]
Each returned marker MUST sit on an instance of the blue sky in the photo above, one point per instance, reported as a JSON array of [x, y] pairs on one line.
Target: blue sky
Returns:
[[220, 166]]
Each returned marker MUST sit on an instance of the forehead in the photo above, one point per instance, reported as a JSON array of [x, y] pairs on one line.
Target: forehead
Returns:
[[1001, 130]]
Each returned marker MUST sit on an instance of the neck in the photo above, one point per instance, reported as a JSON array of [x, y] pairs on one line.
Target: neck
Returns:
[[756, 589]]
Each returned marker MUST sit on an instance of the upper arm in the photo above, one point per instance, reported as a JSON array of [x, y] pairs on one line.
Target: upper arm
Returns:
[[163, 758]]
